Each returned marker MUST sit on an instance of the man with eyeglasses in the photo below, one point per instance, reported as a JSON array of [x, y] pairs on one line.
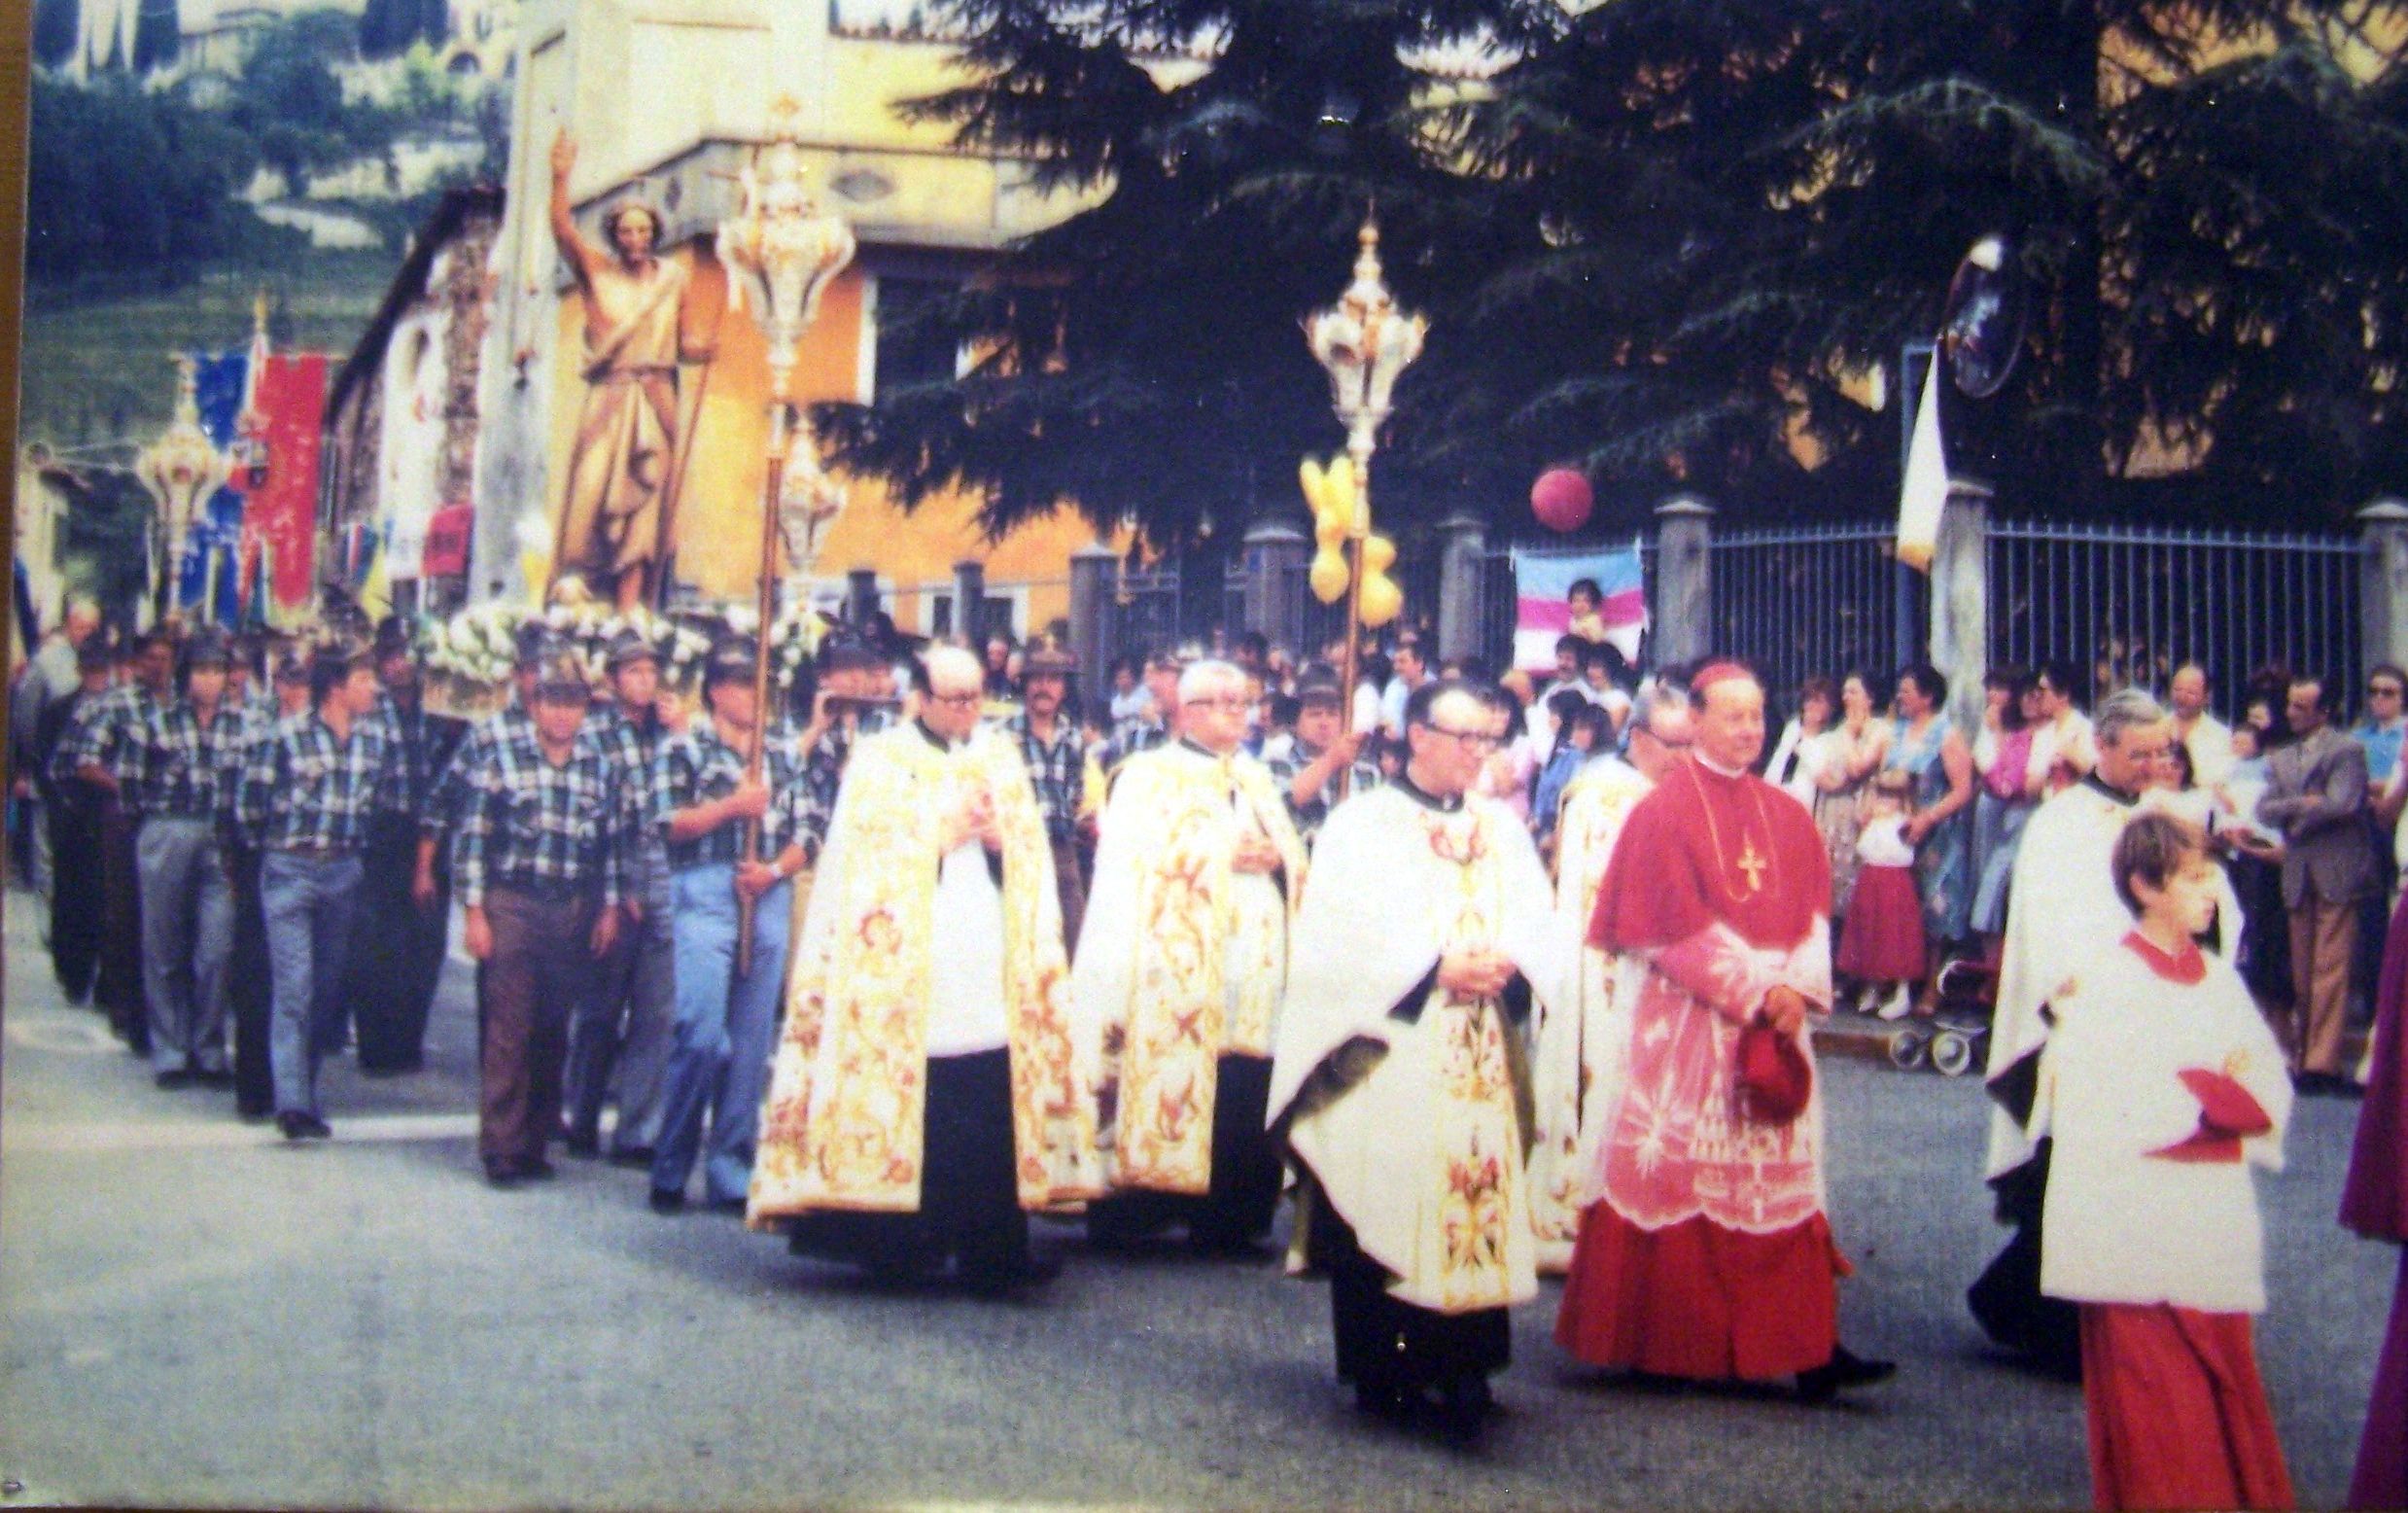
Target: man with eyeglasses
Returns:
[[1577, 1049], [1179, 974], [1708, 1254], [1426, 926], [924, 1095]]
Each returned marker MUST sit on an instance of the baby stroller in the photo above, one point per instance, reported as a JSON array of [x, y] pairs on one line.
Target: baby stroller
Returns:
[[1956, 1037]]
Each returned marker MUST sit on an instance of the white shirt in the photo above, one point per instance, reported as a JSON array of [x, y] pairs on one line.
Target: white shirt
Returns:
[[965, 964], [2210, 744], [1883, 843]]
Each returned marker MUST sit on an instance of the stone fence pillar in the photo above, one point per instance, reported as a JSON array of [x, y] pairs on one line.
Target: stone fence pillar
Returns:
[[1684, 628], [1091, 617], [1463, 588], [1276, 555], [2383, 591], [969, 605], [1960, 643]]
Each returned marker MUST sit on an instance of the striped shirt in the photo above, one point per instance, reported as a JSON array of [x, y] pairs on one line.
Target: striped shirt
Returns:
[[530, 823], [697, 767], [1131, 736], [177, 768], [306, 787], [1058, 769]]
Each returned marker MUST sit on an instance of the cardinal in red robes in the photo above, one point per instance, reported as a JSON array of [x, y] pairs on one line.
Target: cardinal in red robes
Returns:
[[1706, 1255], [2374, 1203]]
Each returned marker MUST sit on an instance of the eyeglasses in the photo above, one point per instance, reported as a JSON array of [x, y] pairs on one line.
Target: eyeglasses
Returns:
[[1224, 701], [2381, 691], [1475, 740], [956, 700], [1660, 740]]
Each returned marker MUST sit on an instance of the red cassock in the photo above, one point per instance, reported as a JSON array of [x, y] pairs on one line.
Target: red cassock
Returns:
[[2374, 1203], [2178, 1414], [1708, 1254]]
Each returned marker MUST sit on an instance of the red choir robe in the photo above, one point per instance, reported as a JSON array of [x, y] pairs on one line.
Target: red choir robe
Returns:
[[1708, 1254], [2374, 1203]]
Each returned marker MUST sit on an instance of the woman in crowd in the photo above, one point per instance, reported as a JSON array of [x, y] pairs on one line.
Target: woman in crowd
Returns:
[[2065, 747], [1799, 757], [2011, 788], [1927, 746], [1855, 751]]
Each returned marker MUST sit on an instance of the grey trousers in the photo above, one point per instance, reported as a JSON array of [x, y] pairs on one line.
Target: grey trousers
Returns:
[[623, 1030], [308, 900], [187, 937]]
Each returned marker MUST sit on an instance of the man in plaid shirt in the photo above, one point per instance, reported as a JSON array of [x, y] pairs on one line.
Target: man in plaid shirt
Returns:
[[1306, 763], [398, 957], [847, 709], [103, 746], [540, 860], [1055, 751], [306, 799], [1142, 732], [702, 801], [622, 1030], [177, 774]]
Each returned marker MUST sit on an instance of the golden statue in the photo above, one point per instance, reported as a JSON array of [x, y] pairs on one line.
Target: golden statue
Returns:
[[645, 314]]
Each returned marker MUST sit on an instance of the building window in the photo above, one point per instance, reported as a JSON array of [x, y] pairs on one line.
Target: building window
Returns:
[[914, 346]]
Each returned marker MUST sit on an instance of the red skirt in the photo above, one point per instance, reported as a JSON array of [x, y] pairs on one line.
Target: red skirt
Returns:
[[1882, 941], [1701, 1301], [2177, 1415]]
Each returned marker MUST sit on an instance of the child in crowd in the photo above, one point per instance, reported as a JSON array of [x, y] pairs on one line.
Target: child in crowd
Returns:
[[1882, 945], [1580, 731], [2161, 1086]]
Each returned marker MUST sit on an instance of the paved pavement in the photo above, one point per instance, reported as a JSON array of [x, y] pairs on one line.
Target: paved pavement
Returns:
[[194, 1313]]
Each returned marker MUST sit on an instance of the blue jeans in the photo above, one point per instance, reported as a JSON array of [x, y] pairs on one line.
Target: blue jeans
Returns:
[[308, 902], [718, 1059]]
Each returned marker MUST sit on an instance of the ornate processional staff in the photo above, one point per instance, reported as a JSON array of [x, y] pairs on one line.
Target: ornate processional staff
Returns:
[[786, 250]]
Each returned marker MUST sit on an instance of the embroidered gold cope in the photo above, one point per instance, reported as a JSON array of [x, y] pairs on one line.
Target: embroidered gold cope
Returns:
[[1422, 1153], [847, 1111], [1579, 1046], [1182, 959]]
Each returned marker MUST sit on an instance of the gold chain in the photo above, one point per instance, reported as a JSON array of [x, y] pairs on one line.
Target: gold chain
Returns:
[[1714, 835]]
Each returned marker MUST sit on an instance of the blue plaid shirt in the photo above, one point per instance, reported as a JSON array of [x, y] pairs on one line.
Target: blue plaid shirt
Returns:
[[529, 822], [698, 766], [1059, 770], [1133, 735], [109, 727], [307, 788], [446, 800], [177, 768], [1286, 757]]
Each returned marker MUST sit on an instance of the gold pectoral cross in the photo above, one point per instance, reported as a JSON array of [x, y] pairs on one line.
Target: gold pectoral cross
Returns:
[[1752, 864]]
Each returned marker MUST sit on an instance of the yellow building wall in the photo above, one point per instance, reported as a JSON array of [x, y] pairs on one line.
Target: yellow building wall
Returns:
[[719, 520]]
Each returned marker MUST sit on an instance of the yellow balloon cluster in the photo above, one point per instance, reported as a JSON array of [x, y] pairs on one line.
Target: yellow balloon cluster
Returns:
[[1340, 508]]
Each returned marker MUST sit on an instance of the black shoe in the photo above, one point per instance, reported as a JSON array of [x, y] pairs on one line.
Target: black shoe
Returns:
[[631, 1155], [212, 1077], [1384, 1400], [1033, 1273], [504, 1175], [1845, 1369], [1464, 1405], [171, 1080], [537, 1170], [585, 1148], [733, 1206], [2345, 1086], [294, 1124], [668, 1200]]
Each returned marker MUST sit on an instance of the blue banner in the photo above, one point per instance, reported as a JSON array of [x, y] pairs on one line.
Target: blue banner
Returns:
[[219, 380]]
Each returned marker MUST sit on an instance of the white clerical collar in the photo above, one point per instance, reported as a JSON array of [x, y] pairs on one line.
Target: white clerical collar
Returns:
[[1711, 765]]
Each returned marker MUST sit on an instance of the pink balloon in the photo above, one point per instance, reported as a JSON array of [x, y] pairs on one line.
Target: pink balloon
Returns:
[[1561, 499]]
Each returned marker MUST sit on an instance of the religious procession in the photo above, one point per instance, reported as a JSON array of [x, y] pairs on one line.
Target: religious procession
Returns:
[[769, 713]]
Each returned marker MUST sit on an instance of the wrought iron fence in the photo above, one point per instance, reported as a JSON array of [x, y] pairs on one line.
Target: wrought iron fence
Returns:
[[1500, 598], [2128, 604], [1802, 601]]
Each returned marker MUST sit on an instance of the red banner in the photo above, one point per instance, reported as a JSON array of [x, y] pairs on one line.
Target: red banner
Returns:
[[447, 541], [290, 395]]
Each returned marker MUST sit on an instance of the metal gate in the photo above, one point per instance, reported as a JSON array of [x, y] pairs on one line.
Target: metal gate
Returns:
[[2126, 604]]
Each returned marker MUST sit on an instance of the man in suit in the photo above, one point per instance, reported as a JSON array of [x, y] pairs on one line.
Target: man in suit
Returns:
[[2317, 796]]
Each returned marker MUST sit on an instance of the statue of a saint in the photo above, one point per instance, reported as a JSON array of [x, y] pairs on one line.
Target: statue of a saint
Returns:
[[622, 468]]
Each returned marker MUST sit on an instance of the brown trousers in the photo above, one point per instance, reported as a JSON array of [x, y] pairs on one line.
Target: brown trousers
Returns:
[[2324, 938], [541, 968]]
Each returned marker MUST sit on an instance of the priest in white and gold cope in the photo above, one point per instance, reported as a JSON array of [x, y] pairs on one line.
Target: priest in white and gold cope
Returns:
[[924, 1095], [1395, 1079], [1579, 1047], [1181, 967]]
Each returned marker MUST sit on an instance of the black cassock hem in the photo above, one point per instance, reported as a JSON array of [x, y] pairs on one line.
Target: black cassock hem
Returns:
[[1382, 1341]]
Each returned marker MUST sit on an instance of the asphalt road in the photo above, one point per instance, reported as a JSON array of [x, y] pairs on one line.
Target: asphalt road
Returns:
[[194, 1313]]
